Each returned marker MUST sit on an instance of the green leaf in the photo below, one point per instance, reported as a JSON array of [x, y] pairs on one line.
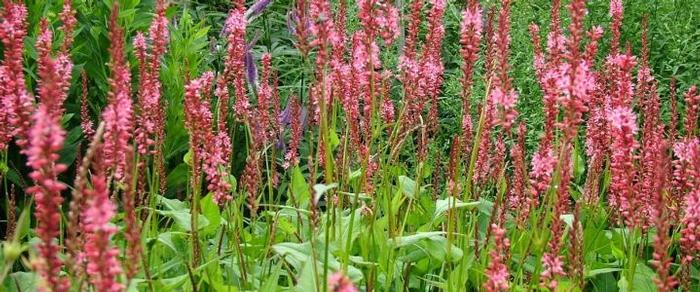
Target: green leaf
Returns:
[[568, 219], [596, 272], [334, 140], [603, 282], [307, 281], [408, 186], [3, 168], [579, 163], [413, 239], [180, 213], [173, 283], [188, 158], [210, 211], [286, 226], [173, 204], [271, 283], [294, 253], [438, 249], [20, 281], [166, 238], [320, 189], [354, 174], [184, 219], [356, 230], [299, 256], [22, 227], [442, 206], [300, 189], [232, 182], [643, 280]]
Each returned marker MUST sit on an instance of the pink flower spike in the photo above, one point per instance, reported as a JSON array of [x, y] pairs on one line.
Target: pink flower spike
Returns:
[[45, 140], [340, 283], [19, 102], [497, 271], [623, 123], [553, 268], [235, 69], [118, 115], [692, 101], [103, 266]]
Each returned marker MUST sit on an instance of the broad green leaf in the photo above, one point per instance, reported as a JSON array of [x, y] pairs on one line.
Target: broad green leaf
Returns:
[[211, 212], [271, 283], [300, 189], [20, 281], [22, 227], [443, 205], [173, 204], [294, 253], [3, 168], [286, 226], [232, 182], [183, 219], [412, 239], [188, 158], [299, 254], [170, 284], [643, 280], [166, 238], [408, 186], [334, 140], [307, 280], [356, 229], [438, 249], [320, 189], [593, 273], [354, 174], [568, 219]]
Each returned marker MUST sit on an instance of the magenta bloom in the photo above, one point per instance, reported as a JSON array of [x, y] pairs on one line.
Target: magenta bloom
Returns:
[[145, 124], [616, 8], [210, 149], [45, 140], [85, 121], [235, 68], [470, 38], [543, 163], [497, 271], [150, 118], [103, 266], [340, 283], [690, 235], [292, 155], [622, 199], [692, 101], [118, 115], [505, 101], [217, 161], [18, 103], [388, 20], [265, 92], [553, 268], [689, 152], [518, 198], [67, 16], [5, 109]]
